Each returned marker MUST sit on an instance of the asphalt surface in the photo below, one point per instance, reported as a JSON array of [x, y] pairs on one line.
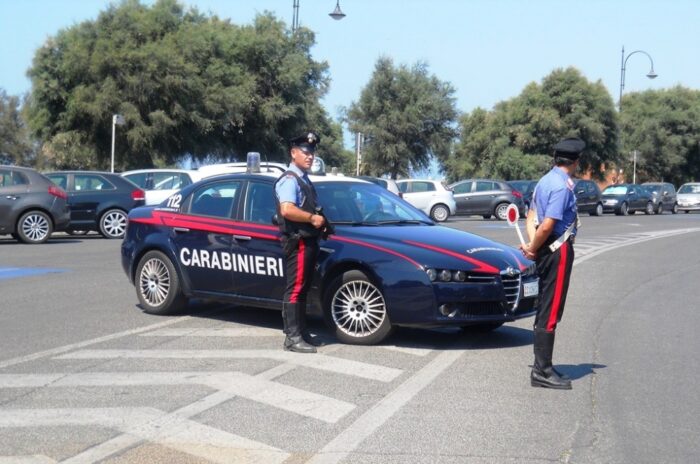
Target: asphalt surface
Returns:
[[85, 376]]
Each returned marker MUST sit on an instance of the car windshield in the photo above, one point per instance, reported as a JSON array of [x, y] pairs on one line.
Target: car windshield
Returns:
[[689, 188], [652, 188], [363, 204], [615, 190]]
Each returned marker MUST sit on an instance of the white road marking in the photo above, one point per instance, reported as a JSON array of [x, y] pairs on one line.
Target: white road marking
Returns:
[[263, 391], [93, 341], [415, 351], [152, 425], [317, 361], [350, 438], [216, 332]]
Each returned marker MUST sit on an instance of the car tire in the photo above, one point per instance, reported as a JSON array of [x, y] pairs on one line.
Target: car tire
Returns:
[[349, 299], [624, 210], [158, 285], [674, 210], [113, 223], [598, 211], [484, 327], [34, 227], [439, 213], [649, 208], [659, 209], [501, 211]]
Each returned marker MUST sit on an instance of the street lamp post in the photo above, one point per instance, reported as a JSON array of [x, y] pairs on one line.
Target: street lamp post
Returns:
[[336, 14], [117, 119], [623, 67]]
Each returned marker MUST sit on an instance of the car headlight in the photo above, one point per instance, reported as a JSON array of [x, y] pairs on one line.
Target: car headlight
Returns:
[[445, 275], [432, 274], [459, 276]]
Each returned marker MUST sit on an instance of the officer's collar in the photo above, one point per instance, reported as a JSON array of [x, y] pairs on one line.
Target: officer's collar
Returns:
[[297, 170]]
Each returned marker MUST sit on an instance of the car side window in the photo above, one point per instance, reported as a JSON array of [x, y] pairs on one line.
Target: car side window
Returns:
[[403, 187], [166, 181], [423, 187], [139, 179], [91, 183], [216, 199], [260, 203], [59, 179], [5, 178], [464, 187], [482, 186]]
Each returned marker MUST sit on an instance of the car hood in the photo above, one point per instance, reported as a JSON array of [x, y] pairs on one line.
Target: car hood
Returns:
[[688, 196], [439, 247]]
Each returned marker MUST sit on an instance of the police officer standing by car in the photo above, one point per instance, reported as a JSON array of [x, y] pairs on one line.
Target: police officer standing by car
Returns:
[[301, 229], [551, 227]]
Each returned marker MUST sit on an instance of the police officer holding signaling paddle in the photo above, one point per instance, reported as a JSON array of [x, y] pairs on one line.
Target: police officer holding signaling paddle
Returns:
[[551, 227], [301, 226]]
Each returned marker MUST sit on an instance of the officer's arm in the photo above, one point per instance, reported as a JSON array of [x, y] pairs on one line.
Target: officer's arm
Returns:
[[292, 212], [530, 224], [542, 234]]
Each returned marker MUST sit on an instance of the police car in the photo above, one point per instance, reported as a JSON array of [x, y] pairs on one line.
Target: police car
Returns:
[[386, 265]]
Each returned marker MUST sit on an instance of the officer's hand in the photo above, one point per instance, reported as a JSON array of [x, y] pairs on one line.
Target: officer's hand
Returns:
[[527, 252], [317, 221]]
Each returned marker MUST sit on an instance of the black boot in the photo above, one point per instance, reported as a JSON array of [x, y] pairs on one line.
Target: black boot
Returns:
[[293, 318], [298, 345], [543, 374]]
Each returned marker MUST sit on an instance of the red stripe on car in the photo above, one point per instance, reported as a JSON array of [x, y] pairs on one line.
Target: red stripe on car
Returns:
[[480, 265]]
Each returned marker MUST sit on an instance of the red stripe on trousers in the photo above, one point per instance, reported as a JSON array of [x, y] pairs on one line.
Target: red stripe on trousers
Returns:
[[299, 281], [559, 287]]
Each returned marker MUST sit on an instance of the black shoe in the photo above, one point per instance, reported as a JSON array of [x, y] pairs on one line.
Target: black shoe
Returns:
[[298, 345], [549, 380], [562, 375], [311, 340]]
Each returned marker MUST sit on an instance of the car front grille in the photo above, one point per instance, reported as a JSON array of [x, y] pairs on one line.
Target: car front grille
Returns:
[[511, 287]]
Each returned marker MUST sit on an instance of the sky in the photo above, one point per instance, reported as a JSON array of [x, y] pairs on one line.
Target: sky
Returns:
[[489, 50]]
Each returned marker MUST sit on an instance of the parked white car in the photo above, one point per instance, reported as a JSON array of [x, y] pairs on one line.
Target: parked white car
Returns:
[[430, 196], [159, 184], [688, 197], [239, 166]]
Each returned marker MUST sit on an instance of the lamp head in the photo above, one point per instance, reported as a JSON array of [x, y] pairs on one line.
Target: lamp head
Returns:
[[652, 74]]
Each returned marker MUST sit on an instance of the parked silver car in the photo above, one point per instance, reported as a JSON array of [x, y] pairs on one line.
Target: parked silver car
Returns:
[[689, 197], [430, 196]]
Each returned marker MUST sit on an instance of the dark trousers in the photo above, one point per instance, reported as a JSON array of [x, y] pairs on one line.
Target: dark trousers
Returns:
[[554, 271], [301, 256]]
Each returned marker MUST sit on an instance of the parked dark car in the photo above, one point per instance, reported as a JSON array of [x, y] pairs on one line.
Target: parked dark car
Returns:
[[31, 206], [624, 199], [664, 196], [486, 197], [98, 201], [588, 197], [526, 187]]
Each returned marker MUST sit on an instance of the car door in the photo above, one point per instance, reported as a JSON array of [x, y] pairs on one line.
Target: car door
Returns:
[[203, 244], [463, 195], [260, 247], [12, 188], [85, 194], [635, 198], [483, 196], [419, 194]]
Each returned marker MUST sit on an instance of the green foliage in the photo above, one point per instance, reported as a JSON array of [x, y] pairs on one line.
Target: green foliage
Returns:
[[514, 140], [15, 147], [664, 127], [187, 84], [406, 116]]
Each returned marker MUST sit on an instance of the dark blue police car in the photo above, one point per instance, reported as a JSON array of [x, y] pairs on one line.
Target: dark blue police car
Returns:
[[386, 265]]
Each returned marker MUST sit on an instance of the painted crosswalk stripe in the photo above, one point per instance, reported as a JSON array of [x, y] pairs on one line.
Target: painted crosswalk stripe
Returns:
[[215, 332], [317, 361], [150, 424], [274, 394], [35, 459]]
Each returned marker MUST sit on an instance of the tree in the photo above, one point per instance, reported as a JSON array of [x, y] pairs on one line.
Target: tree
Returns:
[[15, 147], [663, 126], [514, 140], [187, 84], [407, 116]]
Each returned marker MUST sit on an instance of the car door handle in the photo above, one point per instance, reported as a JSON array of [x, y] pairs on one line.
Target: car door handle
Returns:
[[11, 197], [181, 230], [242, 237]]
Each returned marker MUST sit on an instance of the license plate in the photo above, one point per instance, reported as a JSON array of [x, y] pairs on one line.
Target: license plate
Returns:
[[530, 288]]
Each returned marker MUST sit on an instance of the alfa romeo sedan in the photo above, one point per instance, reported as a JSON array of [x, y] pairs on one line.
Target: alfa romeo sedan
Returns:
[[386, 265]]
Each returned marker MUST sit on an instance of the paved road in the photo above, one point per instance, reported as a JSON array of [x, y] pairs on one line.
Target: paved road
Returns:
[[85, 376]]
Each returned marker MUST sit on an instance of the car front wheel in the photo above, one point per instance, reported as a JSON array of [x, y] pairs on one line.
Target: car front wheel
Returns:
[[113, 223], [439, 213], [598, 211], [674, 210], [158, 285], [34, 227], [624, 210], [356, 309], [660, 208]]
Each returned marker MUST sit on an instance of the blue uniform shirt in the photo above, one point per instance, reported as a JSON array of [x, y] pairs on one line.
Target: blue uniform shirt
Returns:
[[554, 198], [288, 190]]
